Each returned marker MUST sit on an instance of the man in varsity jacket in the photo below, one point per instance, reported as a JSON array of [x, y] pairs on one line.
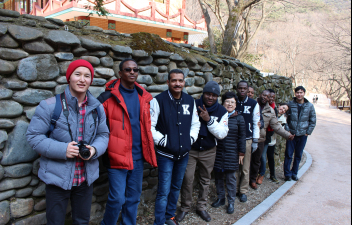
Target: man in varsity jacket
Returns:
[[250, 110], [214, 125], [175, 127]]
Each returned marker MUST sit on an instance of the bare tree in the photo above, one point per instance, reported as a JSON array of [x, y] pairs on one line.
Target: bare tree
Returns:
[[206, 14]]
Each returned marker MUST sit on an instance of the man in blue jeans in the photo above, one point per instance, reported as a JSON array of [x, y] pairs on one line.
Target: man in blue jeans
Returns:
[[175, 127], [301, 122]]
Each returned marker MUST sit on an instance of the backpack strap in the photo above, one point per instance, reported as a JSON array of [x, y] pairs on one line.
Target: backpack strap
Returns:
[[56, 115]]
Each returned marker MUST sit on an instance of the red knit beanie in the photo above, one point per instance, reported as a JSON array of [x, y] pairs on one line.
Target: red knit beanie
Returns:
[[78, 63]]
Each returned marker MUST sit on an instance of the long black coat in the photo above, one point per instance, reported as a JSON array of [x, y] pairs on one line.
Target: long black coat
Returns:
[[227, 153]]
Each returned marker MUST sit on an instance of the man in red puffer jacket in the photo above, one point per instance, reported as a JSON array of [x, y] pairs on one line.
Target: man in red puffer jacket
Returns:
[[127, 108]]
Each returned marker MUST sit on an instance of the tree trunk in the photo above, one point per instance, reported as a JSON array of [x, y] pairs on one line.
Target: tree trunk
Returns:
[[229, 35], [211, 37]]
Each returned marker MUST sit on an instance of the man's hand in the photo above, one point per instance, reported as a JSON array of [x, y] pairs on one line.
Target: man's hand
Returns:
[[291, 137], [259, 124], [92, 152], [204, 114], [241, 160], [72, 150], [307, 135]]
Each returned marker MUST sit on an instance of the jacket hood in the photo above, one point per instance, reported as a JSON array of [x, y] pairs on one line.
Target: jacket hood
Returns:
[[114, 85]]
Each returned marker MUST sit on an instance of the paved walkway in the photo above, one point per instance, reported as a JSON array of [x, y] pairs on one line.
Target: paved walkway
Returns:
[[323, 195]]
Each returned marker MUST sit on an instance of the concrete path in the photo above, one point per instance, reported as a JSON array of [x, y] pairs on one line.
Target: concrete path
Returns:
[[323, 195]]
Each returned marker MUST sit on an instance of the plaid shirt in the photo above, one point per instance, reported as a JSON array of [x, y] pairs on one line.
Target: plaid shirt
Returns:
[[79, 177]]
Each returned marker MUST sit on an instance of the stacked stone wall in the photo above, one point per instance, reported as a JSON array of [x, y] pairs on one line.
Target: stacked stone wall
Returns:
[[34, 55]]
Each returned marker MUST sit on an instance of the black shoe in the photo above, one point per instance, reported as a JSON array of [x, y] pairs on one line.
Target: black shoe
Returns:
[[204, 215], [171, 221], [288, 178], [218, 203], [231, 208], [295, 178], [181, 216], [243, 198]]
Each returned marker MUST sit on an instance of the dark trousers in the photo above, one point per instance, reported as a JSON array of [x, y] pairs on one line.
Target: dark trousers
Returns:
[[231, 184], [171, 175], [57, 200], [125, 189], [296, 146], [255, 162], [268, 154]]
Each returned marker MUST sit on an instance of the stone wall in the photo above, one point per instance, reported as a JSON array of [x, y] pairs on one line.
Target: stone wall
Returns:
[[34, 55]]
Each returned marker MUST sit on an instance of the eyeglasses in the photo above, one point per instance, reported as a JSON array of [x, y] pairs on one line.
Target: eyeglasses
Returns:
[[130, 70], [230, 102]]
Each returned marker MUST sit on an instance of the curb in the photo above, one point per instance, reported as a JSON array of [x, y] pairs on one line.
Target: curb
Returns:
[[268, 203]]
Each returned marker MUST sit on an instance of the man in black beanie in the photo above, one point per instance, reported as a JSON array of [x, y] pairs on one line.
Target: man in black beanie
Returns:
[[214, 119]]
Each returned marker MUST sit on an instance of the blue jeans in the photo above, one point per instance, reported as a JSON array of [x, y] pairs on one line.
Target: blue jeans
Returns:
[[262, 168], [171, 175], [296, 146], [125, 188]]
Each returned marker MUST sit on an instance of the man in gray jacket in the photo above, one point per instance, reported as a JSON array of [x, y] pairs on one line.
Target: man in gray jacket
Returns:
[[69, 175], [301, 122]]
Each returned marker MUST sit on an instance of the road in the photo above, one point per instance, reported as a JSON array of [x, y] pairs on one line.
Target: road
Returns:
[[323, 194]]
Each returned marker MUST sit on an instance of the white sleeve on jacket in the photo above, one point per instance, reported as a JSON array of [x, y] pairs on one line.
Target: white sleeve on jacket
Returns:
[[154, 115], [256, 120], [219, 129], [195, 125]]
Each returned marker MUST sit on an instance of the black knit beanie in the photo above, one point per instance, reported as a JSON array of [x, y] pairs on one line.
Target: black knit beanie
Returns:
[[212, 87]]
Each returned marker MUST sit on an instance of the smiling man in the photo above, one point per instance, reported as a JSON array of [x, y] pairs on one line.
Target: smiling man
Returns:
[[214, 125], [127, 107]]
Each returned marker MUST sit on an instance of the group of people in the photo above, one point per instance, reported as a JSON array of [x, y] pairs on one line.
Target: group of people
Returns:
[[315, 99], [127, 127]]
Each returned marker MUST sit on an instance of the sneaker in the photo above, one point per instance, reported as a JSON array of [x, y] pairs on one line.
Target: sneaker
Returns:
[[171, 221], [288, 178], [243, 198], [274, 180], [295, 178]]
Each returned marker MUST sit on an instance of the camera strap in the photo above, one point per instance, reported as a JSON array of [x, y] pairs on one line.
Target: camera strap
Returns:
[[66, 112]]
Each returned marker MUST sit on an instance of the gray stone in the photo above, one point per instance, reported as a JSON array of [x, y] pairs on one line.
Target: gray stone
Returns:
[[162, 69], [36, 166], [10, 109], [30, 112], [79, 51], [107, 61], [122, 49], [3, 136], [60, 37], [56, 21], [116, 68], [32, 17], [1, 154], [98, 82], [14, 84], [189, 82], [37, 219], [22, 33], [3, 29], [17, 149], [21, 207], [40, 190], [161, 78], [101, 189], [145, 79], [60, 89], [34, 182], [25, 192], [2, 172], [93, 45], [195, 67], [146, 173], [12, 54], [95, 208], [39, 67], [50, 26], [185, 71], [182, 64], [7, 194], [61, 80], [31, 23], [216, 59], [186, 45], [172, 66], [154, 172], [177, 58], [152, 182], [152, 70], [4, 212], [32, 96], [199, 81], [19, 170], [207, 68], [157, 88], [9, 13], [64, 48], [199, 74], [95, 61], [5, 94], [6, 124], [111, 32], [213, 64], [96, 91], [233, 64], [8, 183], [150, 194], [45, 85], [8, 42], [145, 61], [161, 61], [198, 49], [105, 72], [200, 59], [6, 19], [251, 68], [191, 74], [93, 28], [63, 66], [64, 56], [194, 90], [102, 198], [119, 56], [40, 206], [140, 54], [96, 53], [161, 54], [208, 77]]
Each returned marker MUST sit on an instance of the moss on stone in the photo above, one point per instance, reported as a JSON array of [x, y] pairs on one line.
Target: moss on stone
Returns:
[[149, 43]]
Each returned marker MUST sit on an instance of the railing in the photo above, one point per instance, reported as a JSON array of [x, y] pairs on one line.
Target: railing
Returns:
[[342, 105]]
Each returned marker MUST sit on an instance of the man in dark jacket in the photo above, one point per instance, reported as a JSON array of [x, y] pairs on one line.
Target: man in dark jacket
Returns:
[[214, 125], [301, 122], [68, 175], [175, 127], [127, 107]]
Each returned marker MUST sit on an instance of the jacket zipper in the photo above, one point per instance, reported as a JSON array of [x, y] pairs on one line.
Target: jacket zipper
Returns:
[[123, 120]]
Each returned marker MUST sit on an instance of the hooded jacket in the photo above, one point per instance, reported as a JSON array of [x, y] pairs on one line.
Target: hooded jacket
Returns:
[[119, 152], [304, 123]]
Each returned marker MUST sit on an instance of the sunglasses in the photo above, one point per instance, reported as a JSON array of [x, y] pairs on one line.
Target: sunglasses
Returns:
[[130, 70]]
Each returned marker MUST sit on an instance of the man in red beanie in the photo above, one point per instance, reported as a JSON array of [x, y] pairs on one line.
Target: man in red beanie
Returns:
[[68, 174]]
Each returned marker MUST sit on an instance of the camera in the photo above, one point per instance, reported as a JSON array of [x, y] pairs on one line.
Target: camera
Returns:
[[83, 150]]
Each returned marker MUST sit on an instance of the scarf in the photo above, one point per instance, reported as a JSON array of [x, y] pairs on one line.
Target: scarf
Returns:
[[230, 114], [204, 125]]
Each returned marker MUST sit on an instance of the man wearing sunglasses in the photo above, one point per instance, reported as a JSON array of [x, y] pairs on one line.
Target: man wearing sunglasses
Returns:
[[127, 108]]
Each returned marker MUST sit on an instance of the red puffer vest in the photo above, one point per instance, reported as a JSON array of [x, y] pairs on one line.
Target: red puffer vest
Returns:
[[119, 152]]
